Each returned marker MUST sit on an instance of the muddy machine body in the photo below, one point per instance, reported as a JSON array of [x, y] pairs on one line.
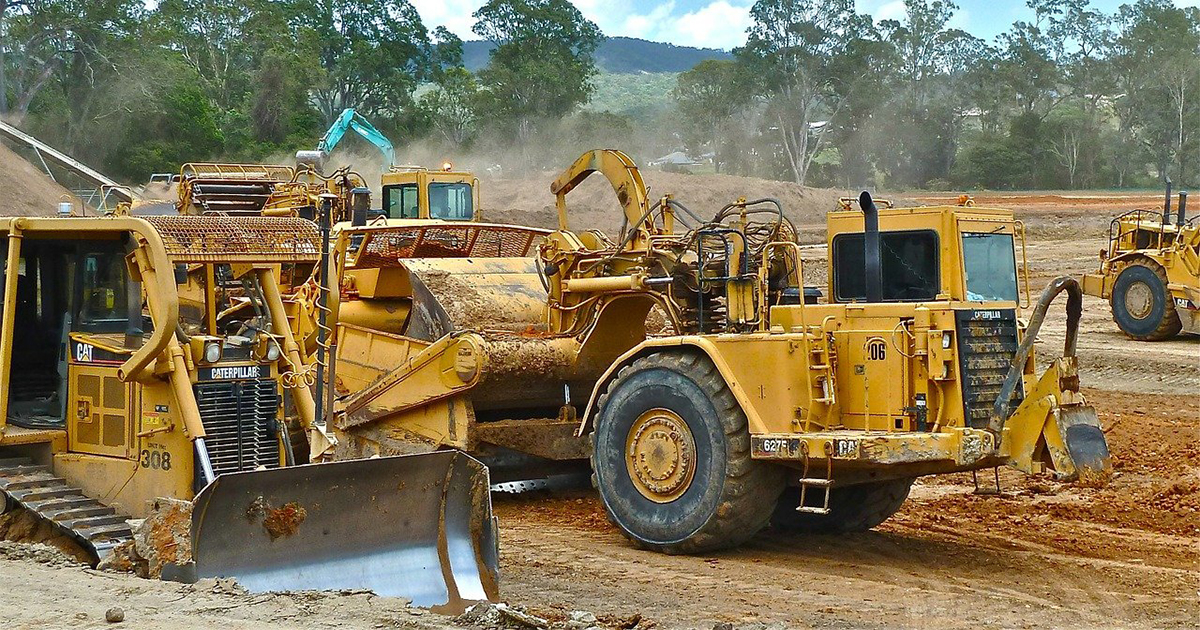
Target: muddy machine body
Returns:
[[743, 402], [147, 358]]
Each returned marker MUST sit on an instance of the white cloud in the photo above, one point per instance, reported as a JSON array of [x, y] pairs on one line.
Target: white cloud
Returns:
[[641, 25], [453, 14], [891, 11], [717, 25]]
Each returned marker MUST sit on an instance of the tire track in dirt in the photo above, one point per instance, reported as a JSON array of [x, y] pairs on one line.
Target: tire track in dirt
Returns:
[[901, 577]]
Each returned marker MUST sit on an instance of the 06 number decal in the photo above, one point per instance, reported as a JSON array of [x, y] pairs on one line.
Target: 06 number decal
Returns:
[[156, 459], [876, 349]]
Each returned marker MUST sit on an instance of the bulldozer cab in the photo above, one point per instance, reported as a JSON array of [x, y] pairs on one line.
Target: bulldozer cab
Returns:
[[71, 313], [147, 358], [411, 192], [85, 377], [935, 253]]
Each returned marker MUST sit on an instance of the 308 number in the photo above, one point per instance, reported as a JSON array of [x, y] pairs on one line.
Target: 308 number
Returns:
[[158, 460]]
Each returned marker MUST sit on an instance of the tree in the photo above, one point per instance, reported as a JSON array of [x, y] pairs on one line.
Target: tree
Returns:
[[708, 96], [183, 128], [1156, 59], [40, 38], [1071, 140], [1026, 65], [542, 65], [215, 39], [792, 46], [932, 64], [372, 54], [451, 105]]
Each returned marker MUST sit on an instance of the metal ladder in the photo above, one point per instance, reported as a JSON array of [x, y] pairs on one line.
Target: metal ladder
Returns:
[[807, 482], [97, 527], [822, 365]]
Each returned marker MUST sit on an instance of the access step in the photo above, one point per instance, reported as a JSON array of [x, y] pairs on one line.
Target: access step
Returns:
[[98, 527]]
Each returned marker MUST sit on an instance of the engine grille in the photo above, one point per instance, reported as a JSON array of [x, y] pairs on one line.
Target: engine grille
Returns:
[[240, 420], [987, 341]]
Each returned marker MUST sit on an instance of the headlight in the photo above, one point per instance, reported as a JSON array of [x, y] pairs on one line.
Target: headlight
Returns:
[[272, 351], [212, 351], [947, 339]]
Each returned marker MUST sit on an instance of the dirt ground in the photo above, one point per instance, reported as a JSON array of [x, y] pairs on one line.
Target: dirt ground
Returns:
[[1041, 554]]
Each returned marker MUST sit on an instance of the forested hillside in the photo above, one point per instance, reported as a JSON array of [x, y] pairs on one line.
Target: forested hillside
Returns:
[[820, 94], [620, 55]]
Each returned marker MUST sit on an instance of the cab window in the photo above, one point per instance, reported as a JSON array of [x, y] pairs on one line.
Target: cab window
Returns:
[[909, 261], [991, 267], [451, 201], [104, 304], [400, 202]]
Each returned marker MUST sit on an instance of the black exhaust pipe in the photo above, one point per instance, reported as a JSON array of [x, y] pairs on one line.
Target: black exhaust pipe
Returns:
[[1167, 204], [872, 263], [1181, 211], [360, 206]]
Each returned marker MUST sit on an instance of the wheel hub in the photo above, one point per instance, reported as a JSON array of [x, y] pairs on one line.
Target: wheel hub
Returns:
[[1139, 300], [660, 455]]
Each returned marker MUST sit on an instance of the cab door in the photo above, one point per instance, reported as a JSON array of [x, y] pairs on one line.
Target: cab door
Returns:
[[99, 405]]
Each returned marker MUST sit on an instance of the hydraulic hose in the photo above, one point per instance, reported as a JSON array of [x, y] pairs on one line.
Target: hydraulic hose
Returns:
[[1000, 411]]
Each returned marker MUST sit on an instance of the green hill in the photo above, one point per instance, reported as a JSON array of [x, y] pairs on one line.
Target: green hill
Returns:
[[619, 55]]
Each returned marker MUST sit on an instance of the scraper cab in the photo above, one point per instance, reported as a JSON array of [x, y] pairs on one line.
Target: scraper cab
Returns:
[[147, 358]]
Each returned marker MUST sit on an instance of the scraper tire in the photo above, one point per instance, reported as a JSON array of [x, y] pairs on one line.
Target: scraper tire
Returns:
[[851, 509], [674, 410], [1142, 305]]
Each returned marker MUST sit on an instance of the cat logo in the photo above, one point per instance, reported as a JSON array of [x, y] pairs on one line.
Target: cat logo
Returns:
[[876, 349]]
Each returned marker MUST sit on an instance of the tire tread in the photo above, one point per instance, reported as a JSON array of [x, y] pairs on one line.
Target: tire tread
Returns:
[[751, 487]]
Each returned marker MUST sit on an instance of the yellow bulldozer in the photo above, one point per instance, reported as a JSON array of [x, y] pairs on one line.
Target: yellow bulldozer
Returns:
[[410, 193], [154, 357], [1150, 272], [746, 403]]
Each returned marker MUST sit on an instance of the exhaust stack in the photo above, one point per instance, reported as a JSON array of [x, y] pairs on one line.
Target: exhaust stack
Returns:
[[1167, 205], [872, 264]]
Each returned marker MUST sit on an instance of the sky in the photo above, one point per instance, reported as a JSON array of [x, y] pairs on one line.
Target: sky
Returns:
[[723, 23]]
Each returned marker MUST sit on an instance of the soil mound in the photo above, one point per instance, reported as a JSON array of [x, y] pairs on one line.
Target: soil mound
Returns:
[[25, 190], [593, 205]]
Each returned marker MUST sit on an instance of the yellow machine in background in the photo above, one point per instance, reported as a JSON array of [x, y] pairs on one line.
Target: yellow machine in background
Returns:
[[1150, 273], [415, 192], [749, 405], [409, 193], [154, 357]]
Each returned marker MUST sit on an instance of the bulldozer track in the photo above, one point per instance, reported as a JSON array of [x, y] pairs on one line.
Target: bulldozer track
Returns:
[[99, 528]]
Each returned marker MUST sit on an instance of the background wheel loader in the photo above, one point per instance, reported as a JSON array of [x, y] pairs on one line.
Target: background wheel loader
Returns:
[[1150, 272], [748, 404], [146, 358]]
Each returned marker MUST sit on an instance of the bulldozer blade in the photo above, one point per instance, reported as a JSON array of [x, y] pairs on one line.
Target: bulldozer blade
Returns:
[[415, 526], [1085, 442]]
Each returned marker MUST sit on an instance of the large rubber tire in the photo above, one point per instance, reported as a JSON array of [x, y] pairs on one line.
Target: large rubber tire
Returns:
[[730, 496], [854, 508], [1143, 285]]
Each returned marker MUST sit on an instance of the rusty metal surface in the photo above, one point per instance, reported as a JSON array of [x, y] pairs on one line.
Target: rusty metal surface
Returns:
[[210, 170], [416, 526], [388, 246], [201, 239], [1086, 444]]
